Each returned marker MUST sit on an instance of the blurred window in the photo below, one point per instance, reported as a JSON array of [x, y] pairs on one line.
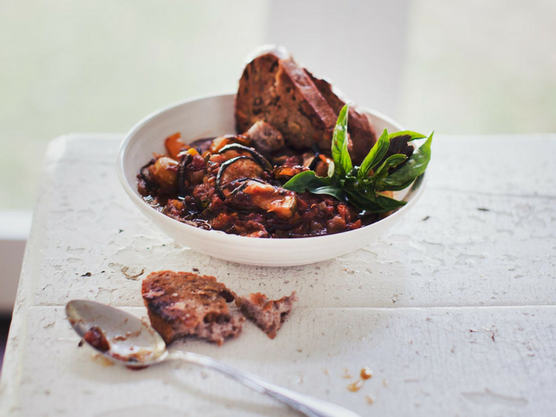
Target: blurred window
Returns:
[[101, 66]]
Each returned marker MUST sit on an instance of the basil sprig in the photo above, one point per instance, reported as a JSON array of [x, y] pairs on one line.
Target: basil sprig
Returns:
[[391, 165]]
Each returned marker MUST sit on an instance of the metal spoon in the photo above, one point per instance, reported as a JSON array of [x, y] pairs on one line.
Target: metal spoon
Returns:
[[125, 339]]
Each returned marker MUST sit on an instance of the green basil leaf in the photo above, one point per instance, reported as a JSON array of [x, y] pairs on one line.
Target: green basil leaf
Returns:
[[381, 186], [306, 181], [375, 155], [340, 153], [412, 135], [391, 162], [361, 202], [331, 169], [382, 210], [331, 190], [389, 203], [374, 203], [415, 166], [398, 166]]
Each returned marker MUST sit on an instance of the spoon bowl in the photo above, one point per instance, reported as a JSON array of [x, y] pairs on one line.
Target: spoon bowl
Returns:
[[128, 339], [125, 339]]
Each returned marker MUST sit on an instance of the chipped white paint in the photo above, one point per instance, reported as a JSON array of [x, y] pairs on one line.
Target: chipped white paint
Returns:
[[455, 314]]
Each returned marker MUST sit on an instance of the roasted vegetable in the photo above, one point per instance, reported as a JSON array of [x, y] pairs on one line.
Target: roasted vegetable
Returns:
[[165, 173], [255, 194], [285, 172], [265, 137], [235, 169], [272, 199], [174, 145], [235, 149], [185, 158], [222, 141], [202, 145]]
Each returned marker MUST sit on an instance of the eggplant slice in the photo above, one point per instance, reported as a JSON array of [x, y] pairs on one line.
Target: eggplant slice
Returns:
[[184, 160], [314, 161], [236, 149], [234, 169]]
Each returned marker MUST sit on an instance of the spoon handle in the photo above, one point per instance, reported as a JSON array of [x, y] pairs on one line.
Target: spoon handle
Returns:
[[309, 406]]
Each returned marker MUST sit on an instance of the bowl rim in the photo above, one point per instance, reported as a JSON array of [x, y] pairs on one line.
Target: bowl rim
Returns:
[[416, 188]]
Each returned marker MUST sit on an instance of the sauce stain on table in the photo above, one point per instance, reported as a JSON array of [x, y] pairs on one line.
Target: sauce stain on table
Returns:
[[365, 374]]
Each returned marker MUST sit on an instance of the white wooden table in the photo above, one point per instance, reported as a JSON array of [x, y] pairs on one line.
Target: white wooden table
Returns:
[[454, 310]]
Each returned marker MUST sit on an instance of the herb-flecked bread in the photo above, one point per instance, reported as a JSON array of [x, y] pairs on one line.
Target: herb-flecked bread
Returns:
[[277, 90]]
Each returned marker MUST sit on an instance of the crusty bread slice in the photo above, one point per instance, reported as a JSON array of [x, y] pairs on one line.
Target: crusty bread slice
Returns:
[[186, 304], [277, 90]]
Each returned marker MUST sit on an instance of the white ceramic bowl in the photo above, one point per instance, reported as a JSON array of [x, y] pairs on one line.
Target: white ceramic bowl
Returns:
[[214, 116]]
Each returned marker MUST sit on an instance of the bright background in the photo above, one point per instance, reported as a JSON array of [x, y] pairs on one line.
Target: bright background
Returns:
[[99, 66]]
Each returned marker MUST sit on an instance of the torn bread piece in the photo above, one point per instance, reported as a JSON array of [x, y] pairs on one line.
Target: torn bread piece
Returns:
[[268, 315], [184, 304]]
